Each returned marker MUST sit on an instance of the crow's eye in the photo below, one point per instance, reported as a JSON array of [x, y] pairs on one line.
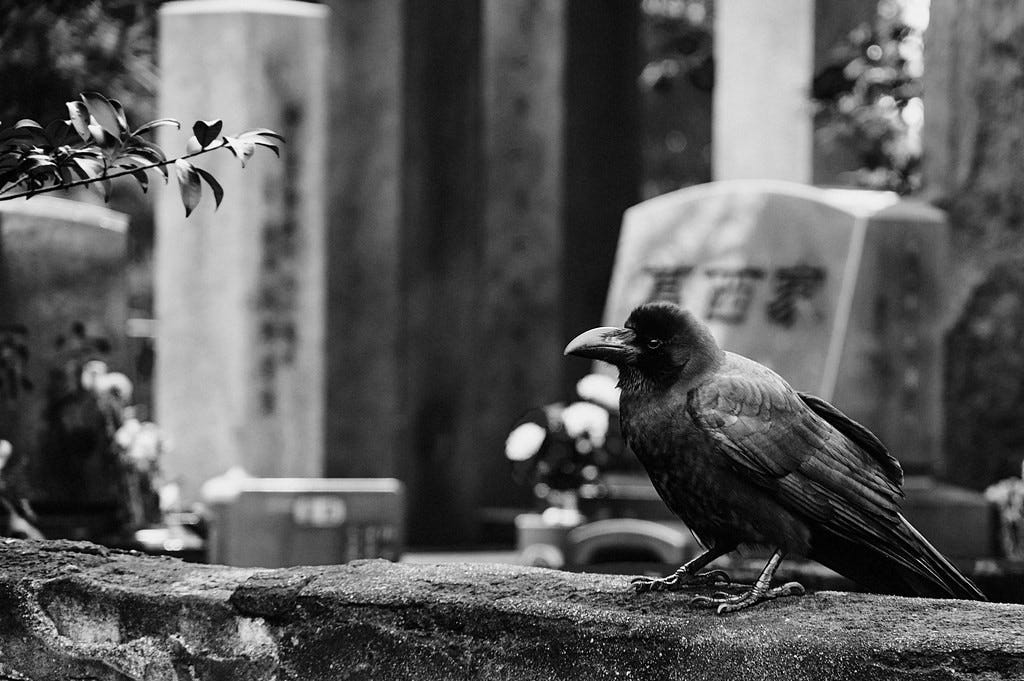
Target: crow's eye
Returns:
[[653, 344]]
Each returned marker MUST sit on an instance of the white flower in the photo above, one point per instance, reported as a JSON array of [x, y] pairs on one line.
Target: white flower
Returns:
[[91, 371], [600, 389], [125, 435], [224, 488], [584, 418], [147, 443], [524, 441], [6, 449], [114, 384]]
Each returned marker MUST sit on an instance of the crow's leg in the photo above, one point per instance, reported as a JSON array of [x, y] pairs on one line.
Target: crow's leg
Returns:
[[761, 591], [686, 576]]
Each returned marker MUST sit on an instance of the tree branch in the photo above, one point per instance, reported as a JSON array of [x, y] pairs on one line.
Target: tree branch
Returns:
[[28, 193]]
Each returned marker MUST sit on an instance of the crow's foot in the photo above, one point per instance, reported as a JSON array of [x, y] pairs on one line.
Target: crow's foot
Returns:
[[726, 603], [681, 579]]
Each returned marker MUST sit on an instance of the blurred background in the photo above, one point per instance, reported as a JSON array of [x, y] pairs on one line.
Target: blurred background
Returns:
[[360, 331]]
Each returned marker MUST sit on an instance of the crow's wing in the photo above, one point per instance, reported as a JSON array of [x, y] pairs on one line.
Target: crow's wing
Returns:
[[771, 437], [858, 434]]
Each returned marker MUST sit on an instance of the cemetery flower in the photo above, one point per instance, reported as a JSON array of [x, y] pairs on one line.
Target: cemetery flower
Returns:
[[561, 450], [524, 441], [587, 424], [141, 443], [600, 389]]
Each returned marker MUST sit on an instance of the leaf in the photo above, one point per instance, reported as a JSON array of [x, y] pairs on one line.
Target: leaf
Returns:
[[261, 132], [101, 187], [137, 158], [89, 168], [104, 113], [188, 183], [58, 132], [122, 120], [206, 132], [218, 191], [142, 178], [79, 118], [242, 149], [268, 145], [146, 149], [103, 138], [152, 125], [24, 130]]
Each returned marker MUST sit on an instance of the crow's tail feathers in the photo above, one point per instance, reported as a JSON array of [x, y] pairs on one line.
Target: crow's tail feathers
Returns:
[[935, 575], [899, 561]]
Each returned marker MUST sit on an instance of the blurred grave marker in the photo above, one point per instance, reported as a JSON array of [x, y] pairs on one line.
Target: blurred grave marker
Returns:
[[240, 292], [62, 276]]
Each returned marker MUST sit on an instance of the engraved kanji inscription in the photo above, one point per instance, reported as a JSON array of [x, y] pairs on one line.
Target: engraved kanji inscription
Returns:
[[731, 292], [793, 285], [667, 282]]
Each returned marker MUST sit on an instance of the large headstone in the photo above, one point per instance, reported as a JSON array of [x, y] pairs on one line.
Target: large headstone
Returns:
[[63, 298], [240, 292], [840, 291]]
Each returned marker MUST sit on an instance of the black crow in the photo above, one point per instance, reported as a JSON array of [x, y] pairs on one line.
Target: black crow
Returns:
[[745, 460]]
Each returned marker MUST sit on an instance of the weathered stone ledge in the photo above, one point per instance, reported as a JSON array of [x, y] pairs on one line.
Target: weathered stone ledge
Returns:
[[78, 611]]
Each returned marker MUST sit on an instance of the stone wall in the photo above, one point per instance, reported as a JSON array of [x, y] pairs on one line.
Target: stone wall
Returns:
[[79, 611]]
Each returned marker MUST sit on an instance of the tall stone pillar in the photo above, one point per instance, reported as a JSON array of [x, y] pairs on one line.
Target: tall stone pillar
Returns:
[[766, 56], [240, 291], [762, 121]]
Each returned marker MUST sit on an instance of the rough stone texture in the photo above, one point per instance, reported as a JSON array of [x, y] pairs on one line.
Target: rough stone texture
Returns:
[[974, 167], [74, 611]]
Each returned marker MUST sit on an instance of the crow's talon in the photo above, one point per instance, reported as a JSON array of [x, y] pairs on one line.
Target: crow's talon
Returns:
[[680, 580], [726, 603]]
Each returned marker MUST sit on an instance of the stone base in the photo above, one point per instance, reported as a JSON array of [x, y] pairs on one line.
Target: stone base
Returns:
[[75, 610]]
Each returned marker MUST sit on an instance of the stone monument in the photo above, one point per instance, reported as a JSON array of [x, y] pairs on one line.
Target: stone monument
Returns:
[[63, 301], [240, 291]]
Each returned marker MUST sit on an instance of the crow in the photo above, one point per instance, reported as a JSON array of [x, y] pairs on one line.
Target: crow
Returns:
[[745, 460]]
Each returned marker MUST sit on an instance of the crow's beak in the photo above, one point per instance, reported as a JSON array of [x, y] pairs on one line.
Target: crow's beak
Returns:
[[606, 343]]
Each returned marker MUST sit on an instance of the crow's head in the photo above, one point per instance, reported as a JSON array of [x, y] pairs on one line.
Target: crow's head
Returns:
[[660, 343]]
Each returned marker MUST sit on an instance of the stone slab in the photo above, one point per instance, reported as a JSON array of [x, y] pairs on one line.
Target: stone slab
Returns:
[[80, 611], [839, 291]]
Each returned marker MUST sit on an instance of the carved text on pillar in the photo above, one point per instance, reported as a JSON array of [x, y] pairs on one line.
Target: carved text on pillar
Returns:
[[277, 299]]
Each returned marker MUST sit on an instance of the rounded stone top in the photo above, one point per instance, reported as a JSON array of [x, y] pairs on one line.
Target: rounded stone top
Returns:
[[292, 8]]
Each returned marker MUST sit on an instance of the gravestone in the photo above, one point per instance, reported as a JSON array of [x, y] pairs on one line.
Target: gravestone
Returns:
[[239, 293], [839, 291], [62, 276]]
